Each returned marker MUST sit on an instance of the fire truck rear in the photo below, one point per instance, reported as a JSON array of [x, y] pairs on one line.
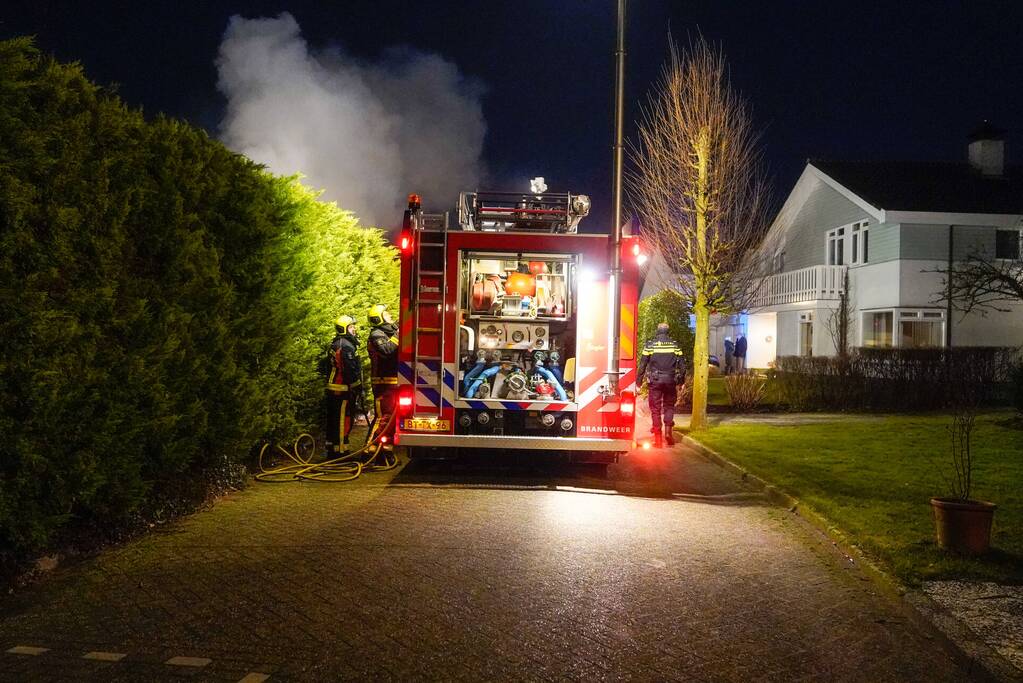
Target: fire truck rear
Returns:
[[506, 329]]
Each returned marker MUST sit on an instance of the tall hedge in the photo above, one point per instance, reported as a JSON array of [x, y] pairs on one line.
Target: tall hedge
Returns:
[[162, 300]]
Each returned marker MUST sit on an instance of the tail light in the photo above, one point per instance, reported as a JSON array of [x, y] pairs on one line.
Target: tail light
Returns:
[[405, 399], [627, 405]]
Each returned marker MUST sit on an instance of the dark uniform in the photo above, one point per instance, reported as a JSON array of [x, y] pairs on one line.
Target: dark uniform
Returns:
[[343, 386], [664, 367], [383, 358]]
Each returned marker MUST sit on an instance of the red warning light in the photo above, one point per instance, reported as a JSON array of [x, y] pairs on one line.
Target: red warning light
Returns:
[[627, 405], [406, 242], [405, 400]]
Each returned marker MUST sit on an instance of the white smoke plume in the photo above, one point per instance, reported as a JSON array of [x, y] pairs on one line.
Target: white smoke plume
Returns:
[[368, 133]]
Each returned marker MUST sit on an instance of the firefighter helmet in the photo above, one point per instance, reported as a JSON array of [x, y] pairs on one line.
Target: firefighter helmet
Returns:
[[343, 322], [378, 315]]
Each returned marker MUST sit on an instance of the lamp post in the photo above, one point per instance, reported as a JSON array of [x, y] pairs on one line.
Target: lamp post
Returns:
[[614, 364]]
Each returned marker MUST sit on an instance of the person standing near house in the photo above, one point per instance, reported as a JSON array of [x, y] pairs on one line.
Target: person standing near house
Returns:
[[344, 383], [740, 353], [729, 356], [664, 367]]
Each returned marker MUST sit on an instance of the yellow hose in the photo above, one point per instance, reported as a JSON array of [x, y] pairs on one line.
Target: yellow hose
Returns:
[[344, 468]]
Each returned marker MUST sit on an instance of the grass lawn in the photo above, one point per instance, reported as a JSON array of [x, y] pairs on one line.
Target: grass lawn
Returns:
[[873, 478], [717, 395]]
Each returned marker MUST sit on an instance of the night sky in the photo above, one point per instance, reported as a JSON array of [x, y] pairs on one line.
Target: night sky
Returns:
[[839, 80]]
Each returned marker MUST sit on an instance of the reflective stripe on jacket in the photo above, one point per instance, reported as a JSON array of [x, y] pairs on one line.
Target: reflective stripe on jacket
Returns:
[[345, 369], [661, 362]]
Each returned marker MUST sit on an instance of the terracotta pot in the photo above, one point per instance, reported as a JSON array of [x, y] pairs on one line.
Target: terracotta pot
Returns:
[[963, 526]]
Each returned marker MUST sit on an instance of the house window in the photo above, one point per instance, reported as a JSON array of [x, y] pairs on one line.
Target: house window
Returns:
[[921, 329], [877, 329], [779, 261], [836, 247], [1007, 244], [920, 334], [848, 243], [865, 239], [805, 338]]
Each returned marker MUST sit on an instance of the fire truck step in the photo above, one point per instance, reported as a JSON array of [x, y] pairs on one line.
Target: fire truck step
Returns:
[[428, 329], [435, 302], [427, 357], [431, 272]]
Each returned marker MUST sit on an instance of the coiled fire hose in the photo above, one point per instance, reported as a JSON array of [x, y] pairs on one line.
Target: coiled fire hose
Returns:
[[345, 468]]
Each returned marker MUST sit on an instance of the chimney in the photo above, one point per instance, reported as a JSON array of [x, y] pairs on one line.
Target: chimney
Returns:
[[987, 150]]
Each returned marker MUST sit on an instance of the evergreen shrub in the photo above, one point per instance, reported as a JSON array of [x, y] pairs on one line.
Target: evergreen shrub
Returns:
[[163, 301]]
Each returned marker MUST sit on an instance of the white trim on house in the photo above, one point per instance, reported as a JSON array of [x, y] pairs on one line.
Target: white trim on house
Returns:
[[875, 212]]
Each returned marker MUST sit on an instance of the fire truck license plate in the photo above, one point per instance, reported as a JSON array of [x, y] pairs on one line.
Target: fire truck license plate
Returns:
[[419, 424]]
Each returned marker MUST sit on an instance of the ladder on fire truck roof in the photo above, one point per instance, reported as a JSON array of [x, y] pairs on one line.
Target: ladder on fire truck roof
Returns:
[[430, 236]]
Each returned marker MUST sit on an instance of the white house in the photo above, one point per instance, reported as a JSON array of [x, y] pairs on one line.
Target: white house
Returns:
[[890, 226]]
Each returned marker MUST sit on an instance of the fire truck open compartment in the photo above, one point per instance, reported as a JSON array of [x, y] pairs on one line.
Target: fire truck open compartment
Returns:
[[518, 328], [505, 330]]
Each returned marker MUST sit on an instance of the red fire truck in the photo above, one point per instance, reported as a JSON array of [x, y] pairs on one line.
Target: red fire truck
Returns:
[[506, 329]]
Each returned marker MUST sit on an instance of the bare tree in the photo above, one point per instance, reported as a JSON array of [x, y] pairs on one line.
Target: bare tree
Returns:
[[699, 189], [840, 321], [984, 284]]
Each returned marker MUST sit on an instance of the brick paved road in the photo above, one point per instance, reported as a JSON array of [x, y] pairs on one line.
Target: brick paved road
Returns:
[[440, 576]]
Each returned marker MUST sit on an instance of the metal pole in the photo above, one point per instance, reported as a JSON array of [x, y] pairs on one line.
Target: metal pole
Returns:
[[948, 294], [616, 202]]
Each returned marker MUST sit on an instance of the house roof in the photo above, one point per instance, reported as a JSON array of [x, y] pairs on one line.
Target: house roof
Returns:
[[945, 187]]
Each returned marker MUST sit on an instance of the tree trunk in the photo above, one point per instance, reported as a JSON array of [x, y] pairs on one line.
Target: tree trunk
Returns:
[[702, 342], [701, 367]]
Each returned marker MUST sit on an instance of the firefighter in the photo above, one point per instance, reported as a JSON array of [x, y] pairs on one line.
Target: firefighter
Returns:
[[383, 357], [664, 367], [344, 385]]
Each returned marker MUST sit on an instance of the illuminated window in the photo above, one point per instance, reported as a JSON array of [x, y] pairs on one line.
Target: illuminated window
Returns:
[[877, 329]]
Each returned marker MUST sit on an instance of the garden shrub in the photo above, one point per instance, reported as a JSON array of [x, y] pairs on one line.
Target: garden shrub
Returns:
[[898, 380], [162, 301], [745, 391]]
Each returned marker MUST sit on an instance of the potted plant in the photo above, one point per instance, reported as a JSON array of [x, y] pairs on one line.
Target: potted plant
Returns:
[[963, 525]]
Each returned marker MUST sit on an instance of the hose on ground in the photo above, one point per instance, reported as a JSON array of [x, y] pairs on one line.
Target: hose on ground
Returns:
[[347, 467]]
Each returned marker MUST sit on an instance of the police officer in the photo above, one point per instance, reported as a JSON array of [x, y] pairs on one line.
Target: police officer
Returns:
[[665, 368], [344, 383], [383, 358]]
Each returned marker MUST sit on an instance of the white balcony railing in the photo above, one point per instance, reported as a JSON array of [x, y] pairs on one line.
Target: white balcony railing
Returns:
[[806, 284]]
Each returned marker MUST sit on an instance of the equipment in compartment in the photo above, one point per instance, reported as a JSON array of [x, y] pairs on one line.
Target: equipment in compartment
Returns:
[[514, 376], [519, 336], [525, 287]]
